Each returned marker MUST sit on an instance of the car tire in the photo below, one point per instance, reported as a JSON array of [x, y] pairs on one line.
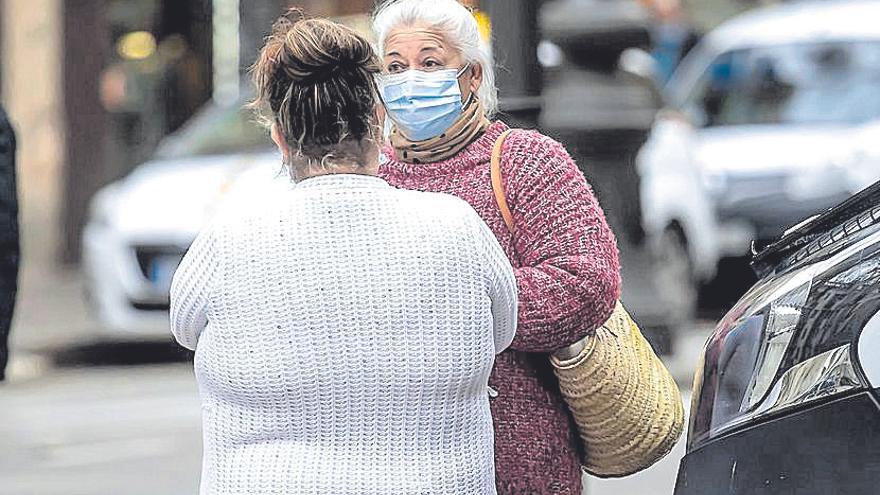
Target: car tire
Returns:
[[661, 338], [674, 278], [734, 276]]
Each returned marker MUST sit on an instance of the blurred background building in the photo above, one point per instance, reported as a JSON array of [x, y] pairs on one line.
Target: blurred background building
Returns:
[[93, 85]]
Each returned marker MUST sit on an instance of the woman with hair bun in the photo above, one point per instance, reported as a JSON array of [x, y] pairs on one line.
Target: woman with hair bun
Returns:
[[344, 330]]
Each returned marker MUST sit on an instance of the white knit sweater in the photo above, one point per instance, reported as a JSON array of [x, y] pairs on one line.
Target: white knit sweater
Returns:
[[344, 335]]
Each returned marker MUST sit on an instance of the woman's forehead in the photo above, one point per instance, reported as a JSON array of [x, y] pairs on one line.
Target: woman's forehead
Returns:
[[412, 40]]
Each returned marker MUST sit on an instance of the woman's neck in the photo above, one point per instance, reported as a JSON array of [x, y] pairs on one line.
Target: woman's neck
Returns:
[[369, 172], [367, 164]]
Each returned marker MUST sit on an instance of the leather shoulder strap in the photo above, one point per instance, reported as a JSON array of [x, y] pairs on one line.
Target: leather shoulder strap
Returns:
[[497, 184]]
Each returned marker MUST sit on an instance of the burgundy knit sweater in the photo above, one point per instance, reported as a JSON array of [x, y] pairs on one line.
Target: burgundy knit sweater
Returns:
[[566, 263]]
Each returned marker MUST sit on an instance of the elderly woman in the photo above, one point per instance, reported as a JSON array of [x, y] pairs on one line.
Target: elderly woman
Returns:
[[438, 93], [344, 330]]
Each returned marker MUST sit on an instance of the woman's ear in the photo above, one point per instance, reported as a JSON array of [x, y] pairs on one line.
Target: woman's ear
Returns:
[[476, 78], [381, 115], [278, 139]]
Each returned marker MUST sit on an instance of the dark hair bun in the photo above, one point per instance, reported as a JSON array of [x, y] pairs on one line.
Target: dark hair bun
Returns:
[[319, 48], [317, 77]]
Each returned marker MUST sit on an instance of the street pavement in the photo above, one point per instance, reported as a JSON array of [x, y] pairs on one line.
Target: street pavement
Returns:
[[101, 431]]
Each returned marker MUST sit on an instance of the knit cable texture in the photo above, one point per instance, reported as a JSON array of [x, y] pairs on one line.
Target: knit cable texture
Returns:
[[344, 336]]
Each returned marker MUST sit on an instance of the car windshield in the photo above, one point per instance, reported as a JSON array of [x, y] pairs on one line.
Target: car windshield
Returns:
[[217, 130], [807, 83]]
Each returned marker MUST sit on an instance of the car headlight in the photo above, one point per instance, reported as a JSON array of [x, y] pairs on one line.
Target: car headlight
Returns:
[[789, 341], [860, 167], [101, 206], [714, 182], [99, 217]]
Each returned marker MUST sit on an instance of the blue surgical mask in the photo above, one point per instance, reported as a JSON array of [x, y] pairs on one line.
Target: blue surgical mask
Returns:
[[422, 104]]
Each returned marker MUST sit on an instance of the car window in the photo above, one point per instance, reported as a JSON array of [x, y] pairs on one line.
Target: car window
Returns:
[[806, 83], [695, 105], [217, 130]]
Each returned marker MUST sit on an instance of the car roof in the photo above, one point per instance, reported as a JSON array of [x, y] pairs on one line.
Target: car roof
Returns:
[[799, 22]]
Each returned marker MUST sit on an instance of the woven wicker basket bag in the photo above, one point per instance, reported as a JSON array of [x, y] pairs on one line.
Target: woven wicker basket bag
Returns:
[[626, 405]]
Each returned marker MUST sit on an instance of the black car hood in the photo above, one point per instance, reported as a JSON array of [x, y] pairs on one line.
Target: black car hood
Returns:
[[766, 259]]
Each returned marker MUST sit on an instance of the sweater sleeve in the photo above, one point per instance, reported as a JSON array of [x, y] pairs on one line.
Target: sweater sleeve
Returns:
[[502, 283], [569, 278], [190, 290]]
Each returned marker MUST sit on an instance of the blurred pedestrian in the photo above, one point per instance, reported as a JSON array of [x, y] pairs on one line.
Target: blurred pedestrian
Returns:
[[673, 35], [9, 243], [344, 331], [439, 98]]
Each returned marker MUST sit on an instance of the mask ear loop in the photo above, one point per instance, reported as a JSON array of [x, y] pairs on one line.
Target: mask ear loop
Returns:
[[388, 125], [473, 94]]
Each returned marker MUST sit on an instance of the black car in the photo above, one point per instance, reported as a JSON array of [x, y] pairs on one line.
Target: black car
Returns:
[[786, 395]]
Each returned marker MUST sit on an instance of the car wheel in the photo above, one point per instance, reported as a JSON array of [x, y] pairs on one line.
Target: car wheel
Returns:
[[733, 278], [674, 279], [661, 338]]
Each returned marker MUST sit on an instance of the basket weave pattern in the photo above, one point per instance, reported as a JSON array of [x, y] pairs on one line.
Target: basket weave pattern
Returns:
[[627, 406]]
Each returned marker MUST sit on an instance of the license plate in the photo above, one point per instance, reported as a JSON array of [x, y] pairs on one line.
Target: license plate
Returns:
[[161, 271]]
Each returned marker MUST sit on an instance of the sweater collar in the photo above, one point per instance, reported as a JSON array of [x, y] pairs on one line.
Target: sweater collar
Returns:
[[342, 181], [478, 152]]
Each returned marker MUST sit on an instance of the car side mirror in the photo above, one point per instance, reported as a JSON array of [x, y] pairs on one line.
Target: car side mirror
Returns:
[[641, 66]]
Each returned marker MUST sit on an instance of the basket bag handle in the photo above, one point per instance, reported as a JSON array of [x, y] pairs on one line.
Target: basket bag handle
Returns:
[[497, 185]]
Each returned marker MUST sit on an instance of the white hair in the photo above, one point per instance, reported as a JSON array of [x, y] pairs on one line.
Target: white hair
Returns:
[[457, 25]]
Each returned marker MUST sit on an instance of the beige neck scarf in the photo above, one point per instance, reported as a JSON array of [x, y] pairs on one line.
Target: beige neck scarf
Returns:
[[470, 125]]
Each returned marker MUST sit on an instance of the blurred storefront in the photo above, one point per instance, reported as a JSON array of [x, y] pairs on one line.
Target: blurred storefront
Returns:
[[91, 86], [94, 85], [31, 52]]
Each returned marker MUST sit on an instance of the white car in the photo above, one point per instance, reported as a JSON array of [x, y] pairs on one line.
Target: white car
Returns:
[[140, 227], [772, 118]]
